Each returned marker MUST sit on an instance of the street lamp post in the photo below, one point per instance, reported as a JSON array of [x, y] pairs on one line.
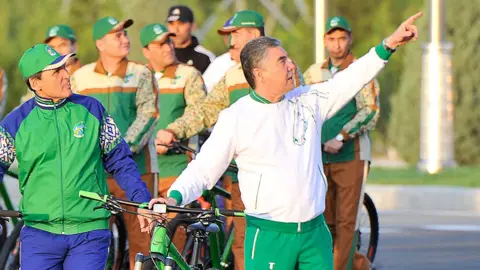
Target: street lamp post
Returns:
[[436, 128], [320, 19]]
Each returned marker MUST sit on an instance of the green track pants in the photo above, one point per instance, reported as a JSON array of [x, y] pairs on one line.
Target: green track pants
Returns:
[[274, 245]]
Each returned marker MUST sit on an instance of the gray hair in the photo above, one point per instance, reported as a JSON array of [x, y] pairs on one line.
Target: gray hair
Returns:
[[254, 52]]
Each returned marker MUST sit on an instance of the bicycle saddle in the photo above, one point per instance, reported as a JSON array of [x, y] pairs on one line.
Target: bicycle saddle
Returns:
[[198, 226]]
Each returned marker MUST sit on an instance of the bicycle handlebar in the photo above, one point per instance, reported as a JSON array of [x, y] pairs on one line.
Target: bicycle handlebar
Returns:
[[11, 214], [158, 208]]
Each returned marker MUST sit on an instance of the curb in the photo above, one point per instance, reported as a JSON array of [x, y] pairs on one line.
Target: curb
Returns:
[[425, 198]]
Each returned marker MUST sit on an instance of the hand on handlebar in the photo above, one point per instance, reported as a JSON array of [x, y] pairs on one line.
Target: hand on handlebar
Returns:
[[145, 224], [164, 137]]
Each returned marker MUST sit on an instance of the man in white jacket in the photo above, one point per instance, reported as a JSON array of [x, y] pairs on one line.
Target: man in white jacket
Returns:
[[274, 137]]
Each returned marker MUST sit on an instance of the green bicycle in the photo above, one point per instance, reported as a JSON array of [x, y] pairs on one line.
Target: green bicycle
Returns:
[[163, 252], [217, 251]]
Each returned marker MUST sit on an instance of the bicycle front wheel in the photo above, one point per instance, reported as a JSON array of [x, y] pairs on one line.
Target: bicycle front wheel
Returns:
[[117, 252], [3, 234], [10, 254], [369, 229]]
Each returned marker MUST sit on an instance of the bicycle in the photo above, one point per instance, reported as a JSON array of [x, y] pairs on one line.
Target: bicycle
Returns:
[[370, 230], [10, 246], [163, 252], [218, 248]]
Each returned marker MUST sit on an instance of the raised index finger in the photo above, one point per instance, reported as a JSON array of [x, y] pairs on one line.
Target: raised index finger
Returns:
[[412, 19]]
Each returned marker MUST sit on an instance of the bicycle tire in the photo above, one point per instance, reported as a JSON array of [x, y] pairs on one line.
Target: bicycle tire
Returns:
[[374, 227], [117, 250], [3, 234], [9, 247]]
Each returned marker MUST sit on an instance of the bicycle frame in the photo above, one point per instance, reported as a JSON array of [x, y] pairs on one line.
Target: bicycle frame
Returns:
[[161, 244], [219, 250], [6, 197]]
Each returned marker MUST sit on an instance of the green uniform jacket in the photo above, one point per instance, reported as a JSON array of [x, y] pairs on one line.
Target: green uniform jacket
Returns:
[[63, 148], [129, 96], [180, 87], [354, 120]]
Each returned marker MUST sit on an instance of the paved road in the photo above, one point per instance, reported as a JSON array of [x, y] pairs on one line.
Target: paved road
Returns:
[[414, 240], [410, 240]]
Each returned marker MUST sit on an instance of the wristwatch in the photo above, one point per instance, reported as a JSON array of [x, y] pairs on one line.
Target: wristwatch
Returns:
[[339, 137], [390, 50]]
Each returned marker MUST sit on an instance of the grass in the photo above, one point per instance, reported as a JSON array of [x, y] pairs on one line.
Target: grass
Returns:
[[462, 176]]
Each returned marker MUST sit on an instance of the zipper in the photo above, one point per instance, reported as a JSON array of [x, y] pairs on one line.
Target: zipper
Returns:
[[61, 170], [258, 191]]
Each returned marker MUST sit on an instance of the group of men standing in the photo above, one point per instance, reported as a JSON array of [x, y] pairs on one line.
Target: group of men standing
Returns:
[[180, 93]]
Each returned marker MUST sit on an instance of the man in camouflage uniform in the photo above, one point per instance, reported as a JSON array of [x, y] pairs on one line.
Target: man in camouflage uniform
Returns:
[[127, 91], [179, 88], [245, 26], [63, 40], [346, 156]]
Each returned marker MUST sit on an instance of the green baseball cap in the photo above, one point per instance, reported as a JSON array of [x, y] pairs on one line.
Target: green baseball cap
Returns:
[[337, 22], [241, 19], [154, 32], [60, 30], [41, 57], [108, 24]]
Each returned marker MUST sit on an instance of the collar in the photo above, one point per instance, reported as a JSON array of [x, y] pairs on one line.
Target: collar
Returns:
[[74, 66], [47, 103], [192, 45], [348, 60], [120, 72], [168, 72], [255, 96]]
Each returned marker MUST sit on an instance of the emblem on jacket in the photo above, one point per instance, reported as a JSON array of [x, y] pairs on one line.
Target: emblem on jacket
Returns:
[[128, 77], [78, 130]]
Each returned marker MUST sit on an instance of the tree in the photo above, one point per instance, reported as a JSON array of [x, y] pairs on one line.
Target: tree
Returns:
[[82, 15], [24, 24], [371, 21], [404, 130], [462, 29]]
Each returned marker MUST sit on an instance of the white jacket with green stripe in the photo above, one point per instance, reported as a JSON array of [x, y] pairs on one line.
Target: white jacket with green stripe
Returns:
[[277, 146]]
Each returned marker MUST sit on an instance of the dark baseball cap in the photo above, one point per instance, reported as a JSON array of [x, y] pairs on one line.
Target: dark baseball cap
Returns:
[[180, 13]]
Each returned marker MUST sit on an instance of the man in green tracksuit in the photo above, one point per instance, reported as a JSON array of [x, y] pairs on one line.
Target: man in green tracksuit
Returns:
[[63, 143]]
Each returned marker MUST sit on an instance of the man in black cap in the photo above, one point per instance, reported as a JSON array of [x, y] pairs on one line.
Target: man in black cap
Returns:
[[187, 49]]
